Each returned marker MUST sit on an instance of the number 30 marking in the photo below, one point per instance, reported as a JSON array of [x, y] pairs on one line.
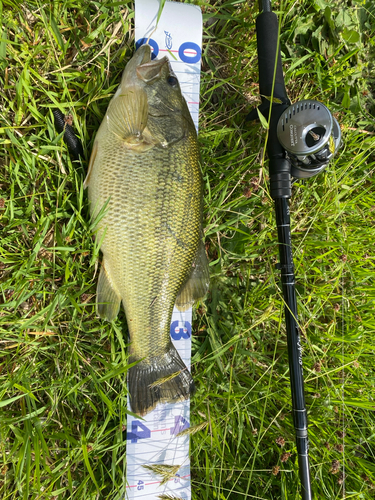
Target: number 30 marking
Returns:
[[179, 331]]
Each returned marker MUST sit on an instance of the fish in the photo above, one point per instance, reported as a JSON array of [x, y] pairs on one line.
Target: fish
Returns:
[[145, 186]]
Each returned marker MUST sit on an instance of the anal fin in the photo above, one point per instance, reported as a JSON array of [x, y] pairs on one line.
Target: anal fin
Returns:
[[107, 299], [197, 284]]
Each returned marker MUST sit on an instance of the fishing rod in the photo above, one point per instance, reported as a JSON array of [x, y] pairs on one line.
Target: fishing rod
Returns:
[[302, 138]]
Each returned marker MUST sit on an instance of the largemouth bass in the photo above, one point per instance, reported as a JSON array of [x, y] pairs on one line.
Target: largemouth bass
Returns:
[[145, 170]]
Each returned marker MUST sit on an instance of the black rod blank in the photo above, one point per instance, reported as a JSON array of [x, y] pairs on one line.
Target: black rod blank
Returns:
[[286, 267]]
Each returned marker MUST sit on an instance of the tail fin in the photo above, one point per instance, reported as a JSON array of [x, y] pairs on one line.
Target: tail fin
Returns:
[[143, 378]]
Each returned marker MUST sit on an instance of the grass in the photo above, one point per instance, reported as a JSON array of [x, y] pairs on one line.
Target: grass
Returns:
[[63, 371]]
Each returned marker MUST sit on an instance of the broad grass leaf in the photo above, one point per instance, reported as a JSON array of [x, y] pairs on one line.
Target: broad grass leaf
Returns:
[[11, 400], [263, 120], [57, 34], [3, 44], [350, 36]]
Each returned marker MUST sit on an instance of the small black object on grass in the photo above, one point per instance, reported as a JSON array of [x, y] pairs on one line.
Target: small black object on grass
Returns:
[[71, 140]]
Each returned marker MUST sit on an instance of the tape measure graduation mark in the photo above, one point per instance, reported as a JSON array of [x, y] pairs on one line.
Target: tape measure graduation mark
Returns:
[[155, 439]]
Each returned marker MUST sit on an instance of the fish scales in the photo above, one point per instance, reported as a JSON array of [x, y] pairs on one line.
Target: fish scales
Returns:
[[146, 170], [152, 225]]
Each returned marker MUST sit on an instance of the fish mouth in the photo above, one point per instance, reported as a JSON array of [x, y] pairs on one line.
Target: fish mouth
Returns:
[[143, 54], [149, 69], [142, 69]]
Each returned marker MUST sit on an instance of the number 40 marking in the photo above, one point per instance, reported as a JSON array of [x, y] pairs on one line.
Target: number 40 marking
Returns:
[[139, 431]]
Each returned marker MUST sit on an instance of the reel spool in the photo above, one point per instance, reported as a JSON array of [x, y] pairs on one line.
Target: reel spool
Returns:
[[310, 135]]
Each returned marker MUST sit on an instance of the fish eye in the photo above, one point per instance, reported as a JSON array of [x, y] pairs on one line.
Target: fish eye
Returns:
[[172, 80]]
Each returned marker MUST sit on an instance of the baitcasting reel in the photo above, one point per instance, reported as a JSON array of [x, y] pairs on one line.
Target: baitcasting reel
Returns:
[[310, 135]]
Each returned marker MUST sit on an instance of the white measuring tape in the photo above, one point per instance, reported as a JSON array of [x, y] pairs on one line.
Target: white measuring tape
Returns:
[[153, 439]]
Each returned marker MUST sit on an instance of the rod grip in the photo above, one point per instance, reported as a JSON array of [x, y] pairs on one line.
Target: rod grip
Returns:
[[267, 26]]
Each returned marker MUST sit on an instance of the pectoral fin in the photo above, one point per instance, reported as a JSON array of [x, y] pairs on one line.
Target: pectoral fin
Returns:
[[107, 299], [127, 118], [197, 284]]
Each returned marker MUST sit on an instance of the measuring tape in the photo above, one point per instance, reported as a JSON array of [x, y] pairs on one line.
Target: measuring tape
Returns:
[[154, 439]]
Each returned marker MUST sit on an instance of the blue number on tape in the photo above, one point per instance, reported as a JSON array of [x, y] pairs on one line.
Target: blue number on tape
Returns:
[[193, 52], [179, 332], [151, 42], [180, 424], [140, 485], [138, 434]]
